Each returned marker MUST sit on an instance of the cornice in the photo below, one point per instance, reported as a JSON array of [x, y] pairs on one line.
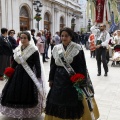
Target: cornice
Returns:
[[66, 3]]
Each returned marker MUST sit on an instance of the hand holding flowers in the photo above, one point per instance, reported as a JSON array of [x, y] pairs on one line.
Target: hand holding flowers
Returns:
[[8, 72], [77, 79]]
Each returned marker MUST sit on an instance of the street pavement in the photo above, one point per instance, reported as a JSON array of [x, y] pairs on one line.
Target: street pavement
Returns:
[[107, 89]]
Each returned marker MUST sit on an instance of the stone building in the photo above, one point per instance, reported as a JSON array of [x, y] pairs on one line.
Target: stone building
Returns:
[[19, 15]]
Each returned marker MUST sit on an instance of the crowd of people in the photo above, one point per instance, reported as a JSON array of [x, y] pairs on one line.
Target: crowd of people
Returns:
[[71, 94]]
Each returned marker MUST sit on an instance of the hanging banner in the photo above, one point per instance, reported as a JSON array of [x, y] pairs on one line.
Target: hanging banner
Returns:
[[99, 10]]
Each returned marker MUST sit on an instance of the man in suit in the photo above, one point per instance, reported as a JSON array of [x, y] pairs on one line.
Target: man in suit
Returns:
[[5, 51]]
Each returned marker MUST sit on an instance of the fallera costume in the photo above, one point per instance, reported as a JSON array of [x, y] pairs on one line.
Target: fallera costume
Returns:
[[116, 54], [92, 44], [62, 101], [20, 97]]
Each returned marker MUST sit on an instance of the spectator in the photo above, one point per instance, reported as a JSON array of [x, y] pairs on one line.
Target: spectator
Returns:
[[11, 38], [41, 45], [48, 39], [33, 35], [57, 38], [5, 51]]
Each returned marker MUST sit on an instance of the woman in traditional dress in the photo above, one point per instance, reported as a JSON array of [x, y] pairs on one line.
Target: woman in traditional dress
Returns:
[[117, 38], [22, 96], [116, 54], [92, 45], [63, 101]]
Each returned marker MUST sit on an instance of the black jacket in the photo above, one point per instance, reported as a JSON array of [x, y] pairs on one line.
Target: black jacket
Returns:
[[5, 47], [13, 42], [35, 41]]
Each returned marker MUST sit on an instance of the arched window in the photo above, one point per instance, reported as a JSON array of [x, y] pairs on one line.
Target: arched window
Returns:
[[47, 21], [46, 17], [24, 19], [24, 12]]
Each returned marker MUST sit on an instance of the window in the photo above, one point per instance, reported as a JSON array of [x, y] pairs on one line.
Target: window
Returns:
[[24, 19]]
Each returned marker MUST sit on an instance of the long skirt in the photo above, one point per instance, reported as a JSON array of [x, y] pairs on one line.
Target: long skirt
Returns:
[[94, 115], [23, 113]]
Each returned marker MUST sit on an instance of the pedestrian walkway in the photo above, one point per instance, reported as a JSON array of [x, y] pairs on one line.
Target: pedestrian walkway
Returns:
[[107, 90]]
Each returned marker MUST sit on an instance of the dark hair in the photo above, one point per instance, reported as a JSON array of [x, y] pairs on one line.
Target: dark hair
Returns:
[[32, 30], [3, 30], [11, 31], [69, 31], [102, 25], [26, 33]]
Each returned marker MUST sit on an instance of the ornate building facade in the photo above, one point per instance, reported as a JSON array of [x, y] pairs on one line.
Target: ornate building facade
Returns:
[[19, 15]]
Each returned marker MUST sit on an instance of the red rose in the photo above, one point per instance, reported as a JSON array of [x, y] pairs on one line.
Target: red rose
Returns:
[[77, 77], [9, 72]]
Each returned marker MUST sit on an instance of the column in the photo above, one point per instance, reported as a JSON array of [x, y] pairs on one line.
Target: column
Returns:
[[66, 17], [15, 16], [56, 19], [53, 20], [3, 14], [9, 14], [69, 19]]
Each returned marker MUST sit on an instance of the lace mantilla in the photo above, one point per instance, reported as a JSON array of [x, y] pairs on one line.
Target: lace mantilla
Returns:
[[26, 53], [72, 50]]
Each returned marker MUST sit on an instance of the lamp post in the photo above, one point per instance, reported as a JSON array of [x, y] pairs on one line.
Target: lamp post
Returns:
[[89, 25], [38, 8]]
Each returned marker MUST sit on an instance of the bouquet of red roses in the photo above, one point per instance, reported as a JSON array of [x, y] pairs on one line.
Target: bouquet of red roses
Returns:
[[8, 72], [77, 79]]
